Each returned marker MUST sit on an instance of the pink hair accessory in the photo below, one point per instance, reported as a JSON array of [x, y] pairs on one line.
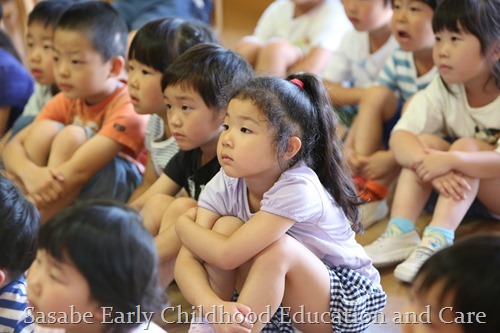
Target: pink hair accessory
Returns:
[[298, 83]]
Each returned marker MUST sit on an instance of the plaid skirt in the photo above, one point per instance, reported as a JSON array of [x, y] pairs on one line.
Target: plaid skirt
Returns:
[[354, 304]]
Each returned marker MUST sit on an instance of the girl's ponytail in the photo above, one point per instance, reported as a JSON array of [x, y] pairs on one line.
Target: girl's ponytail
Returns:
[[327, 159]]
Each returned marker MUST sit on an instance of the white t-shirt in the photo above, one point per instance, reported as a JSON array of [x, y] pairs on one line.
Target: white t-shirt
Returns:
[[434, 110], [41, 95], [160, 150], [323, 26], [298, 195], [352, 63]]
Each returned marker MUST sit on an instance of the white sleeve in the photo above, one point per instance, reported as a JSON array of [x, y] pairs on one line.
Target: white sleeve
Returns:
[[339, 67], [329, 26], [266, 25], [424, 112]]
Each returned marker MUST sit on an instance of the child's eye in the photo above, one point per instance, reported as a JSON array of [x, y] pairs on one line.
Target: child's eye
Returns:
[[437, 38], [455, 38], [76, 62], [168, 106], [414, 9], [245, 130], [145, 72], [55, 59], [225, 127], [47, 47], [185, 108], [30, 45]]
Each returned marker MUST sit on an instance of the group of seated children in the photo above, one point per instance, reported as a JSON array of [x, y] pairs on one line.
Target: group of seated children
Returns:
[[253, 187]]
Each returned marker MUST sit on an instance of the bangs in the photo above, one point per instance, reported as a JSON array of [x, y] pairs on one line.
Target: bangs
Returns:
[[455, 16]]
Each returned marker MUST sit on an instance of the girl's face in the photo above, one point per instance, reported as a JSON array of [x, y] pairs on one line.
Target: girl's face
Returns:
[[144, 86], [192, 123], [453, 50], [427, 314], [367, 15], [39, 52], [412, 25], [246, 146], [58, 287]]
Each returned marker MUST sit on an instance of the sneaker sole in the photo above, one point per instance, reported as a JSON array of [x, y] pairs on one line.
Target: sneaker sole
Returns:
[[397, 258]]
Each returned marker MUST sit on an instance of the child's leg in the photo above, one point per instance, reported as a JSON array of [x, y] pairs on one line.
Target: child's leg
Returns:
[[276, 57], [400, 237], [38, 143], [288, 273], [167, 243], [449, 213], [66, 142], [223, 282], [249, 48], [378, 106], [153, 211]]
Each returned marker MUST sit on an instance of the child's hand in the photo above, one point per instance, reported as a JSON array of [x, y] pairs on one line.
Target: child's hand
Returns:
[[352, 160], [452, 185], [435, 163], [237, 313], [378, 165], [45, 187]]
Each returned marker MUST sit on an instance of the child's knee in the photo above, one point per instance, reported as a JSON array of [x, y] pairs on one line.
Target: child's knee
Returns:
[[71, 135], [433, 141], [468, 144], [44, 129]]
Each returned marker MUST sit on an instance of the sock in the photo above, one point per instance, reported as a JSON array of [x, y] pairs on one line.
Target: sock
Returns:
[[373, 191], [399, 226], [436, 238]]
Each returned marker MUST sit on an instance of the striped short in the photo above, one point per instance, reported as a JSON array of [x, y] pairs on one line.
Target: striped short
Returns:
[[354, 304]]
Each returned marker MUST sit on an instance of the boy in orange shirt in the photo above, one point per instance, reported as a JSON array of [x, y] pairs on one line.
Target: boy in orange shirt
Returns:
[[91, 125]]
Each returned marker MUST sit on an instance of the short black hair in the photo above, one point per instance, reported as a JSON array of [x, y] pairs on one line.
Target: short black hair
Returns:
[[212, 70], [431, 3], [101, 23], [470, 270], [110, 246], [19, 224], [477, 17], [48, 12], [159, 42]]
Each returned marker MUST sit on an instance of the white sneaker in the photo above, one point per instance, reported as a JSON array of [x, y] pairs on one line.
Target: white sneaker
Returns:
[[407, 270], [372, 212], [392, 247], [199, 325]]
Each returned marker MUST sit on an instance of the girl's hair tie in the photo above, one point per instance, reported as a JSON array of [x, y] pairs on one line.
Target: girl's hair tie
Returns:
[[298, 83]]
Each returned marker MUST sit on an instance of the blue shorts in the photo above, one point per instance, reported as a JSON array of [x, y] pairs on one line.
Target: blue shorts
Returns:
[[115, 181]]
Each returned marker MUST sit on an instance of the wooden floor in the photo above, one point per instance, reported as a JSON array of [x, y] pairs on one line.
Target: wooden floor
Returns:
[[239, 20]]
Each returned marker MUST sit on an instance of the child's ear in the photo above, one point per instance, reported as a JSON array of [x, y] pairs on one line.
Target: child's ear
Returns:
[[294, 145], [2, 277], [117, 66]]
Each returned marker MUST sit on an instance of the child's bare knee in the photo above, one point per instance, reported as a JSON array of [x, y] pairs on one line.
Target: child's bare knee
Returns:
[[433, 141], [467, 144], [72, 134]]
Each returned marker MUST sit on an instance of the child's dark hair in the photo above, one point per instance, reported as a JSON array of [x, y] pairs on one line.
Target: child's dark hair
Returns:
[[431, 3], [469, 271], [306, 112], [159, 42], [477, 17], [19, 224], [211, 70], [109, 245], [48, 12], [101, 23]]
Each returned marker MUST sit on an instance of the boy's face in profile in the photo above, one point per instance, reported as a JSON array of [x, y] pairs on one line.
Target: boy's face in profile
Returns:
[[79, 69], [39, 52], [192, 123]]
